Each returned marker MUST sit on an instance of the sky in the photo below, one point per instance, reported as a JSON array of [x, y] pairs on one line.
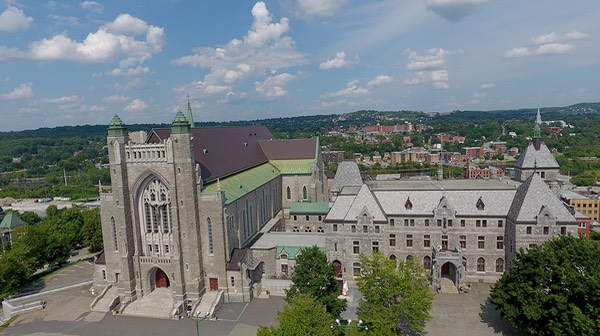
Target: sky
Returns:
[[81, 62]]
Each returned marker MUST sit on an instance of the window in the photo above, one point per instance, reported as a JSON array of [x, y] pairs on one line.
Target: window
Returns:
[[304, 193], [353, 228], [166, 248], [392, 239], [449, 222], [426, 222], [335, 247], [103, 274], [529, 230], [283, 256], [296, 229], [499, 265], [408, 204], [392, 222], [484, 223], [481, 242], [480, 264], [156, 204], [307, 217], [356, 269], [480, 205], [412, 222], [478, 223], [439, 222], [356, 247], [546, 230], [114, 233], [295, 217], [405, 222], [284, 269], [375, 246], [427, 262], [288, 193], [365, 229], [232, 278], [409, 240], [156, 249], [444, 243], [334, 227], [463, 242], [307, 229], [149, 249], [500, 242], [563, 230], [500, 223], [211, 246], [462, 223], [320, 229], [320, 218], [376, 228], [426, 241]]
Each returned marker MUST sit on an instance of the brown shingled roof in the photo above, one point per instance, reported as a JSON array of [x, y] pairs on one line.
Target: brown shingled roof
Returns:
[[222, 151], [289, 149]]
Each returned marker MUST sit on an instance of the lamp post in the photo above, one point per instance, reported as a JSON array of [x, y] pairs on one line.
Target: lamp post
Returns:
[[347, 324], [195, 318]]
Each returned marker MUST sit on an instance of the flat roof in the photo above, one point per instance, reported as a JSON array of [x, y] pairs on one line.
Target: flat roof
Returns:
[[304, 239]]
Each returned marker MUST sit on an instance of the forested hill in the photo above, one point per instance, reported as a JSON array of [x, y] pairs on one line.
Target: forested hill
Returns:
[[315, 124]]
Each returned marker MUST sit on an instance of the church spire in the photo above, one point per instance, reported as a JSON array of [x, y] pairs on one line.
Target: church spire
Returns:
[[190, 116], [538, 118]]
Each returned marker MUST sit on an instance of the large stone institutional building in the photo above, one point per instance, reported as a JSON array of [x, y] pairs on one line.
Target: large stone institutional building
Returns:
[[219, 214]]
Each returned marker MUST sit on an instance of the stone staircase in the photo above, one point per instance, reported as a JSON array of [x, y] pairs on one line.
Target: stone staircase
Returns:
[[447, 286], [104, 304]]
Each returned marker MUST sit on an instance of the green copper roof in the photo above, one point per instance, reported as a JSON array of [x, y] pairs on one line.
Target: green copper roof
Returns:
[[190, 116], [309, 208], [180, 124], [537, 133], [291, 167], [10, 220], [291, 251], [116, 127], [240, 184]]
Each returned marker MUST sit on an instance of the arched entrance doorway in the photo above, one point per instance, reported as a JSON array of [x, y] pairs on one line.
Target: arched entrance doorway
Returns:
[[337, 269], [449, 271], [161, 280]]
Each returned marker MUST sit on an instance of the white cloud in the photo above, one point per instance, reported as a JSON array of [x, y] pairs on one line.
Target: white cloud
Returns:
[[487, 86], [131, 72], [264, 49], [273, 86], [351, 90], [114, 40], [63, 100], [320, 7], [23, 91], [547, 44], [115, 99], [134, 84], [92, 6], [13, 19], [339, 61], [66, 20], [429, 67], [135, 105], [380, 80], [453, 10]]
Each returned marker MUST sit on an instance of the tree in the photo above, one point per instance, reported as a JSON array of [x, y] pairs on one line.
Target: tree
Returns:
[[313, 276], [396, 295], [553, 289], [92, 230], [302, 316]]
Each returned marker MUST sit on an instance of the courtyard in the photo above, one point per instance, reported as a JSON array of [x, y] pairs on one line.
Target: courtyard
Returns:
[[67, 313]]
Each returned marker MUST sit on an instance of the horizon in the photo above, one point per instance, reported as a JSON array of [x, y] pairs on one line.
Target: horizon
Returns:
[[81, 62]]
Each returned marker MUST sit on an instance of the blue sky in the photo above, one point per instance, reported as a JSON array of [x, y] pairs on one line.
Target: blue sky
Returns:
[[81, 62]]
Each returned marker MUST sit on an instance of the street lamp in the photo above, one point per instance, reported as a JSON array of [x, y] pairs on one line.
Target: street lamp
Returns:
[[347, 324], [196, 318]]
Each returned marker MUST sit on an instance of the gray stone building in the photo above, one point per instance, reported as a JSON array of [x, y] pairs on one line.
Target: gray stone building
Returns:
[[187, 203]]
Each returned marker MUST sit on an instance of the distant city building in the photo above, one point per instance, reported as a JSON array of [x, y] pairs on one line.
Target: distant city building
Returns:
[[445, 137]]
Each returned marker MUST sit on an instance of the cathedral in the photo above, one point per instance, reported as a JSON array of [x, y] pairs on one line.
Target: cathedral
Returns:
[[201, 216]]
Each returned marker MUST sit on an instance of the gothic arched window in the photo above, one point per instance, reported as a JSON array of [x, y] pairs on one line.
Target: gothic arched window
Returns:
[[156, 225]]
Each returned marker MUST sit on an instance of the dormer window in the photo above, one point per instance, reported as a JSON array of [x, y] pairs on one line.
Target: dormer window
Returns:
[[480, 205], [283, 256], [408, 204]]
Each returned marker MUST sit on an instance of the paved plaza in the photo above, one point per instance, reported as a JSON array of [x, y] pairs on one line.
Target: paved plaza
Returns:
[[67, 314]]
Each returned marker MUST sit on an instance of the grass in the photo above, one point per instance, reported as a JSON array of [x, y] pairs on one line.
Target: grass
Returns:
[[7, 323]]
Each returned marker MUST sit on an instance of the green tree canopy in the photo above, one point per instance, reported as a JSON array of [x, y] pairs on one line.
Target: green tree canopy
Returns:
[[397, 298], [313, 276], [302, 316], [553, 289]]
